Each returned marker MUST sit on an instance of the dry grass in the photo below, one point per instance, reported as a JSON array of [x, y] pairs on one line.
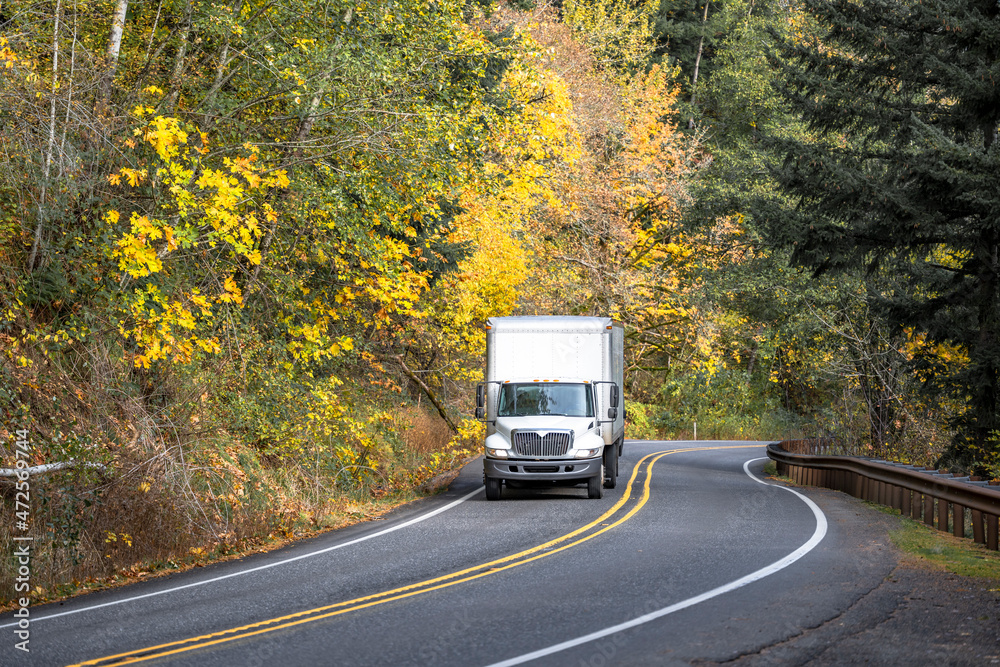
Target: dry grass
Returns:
[[86, 529], [422, 432]]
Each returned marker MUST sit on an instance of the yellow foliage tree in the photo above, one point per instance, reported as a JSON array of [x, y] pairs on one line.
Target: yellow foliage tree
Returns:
[[203, 217], [499, 201]]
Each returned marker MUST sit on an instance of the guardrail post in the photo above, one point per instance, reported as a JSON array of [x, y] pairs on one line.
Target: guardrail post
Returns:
[[929, 510], [977, 527], [858, 485], [915, 510], [958, 520], [991, 532], [942, 515], [904, 503]]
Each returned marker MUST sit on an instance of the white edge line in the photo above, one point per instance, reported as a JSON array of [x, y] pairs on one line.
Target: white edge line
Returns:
[[817, 537], [422, 517]]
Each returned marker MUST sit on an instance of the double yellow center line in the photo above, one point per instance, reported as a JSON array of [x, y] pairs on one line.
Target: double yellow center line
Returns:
[[598, 526]]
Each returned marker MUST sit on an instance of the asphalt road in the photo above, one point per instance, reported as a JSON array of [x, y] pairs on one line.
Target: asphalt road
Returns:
[[692, 558]]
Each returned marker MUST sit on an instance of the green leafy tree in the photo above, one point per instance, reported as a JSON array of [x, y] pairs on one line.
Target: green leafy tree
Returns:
[[904, 178]]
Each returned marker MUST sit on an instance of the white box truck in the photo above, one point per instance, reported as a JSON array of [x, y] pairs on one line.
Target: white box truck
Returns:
[[552, 401]]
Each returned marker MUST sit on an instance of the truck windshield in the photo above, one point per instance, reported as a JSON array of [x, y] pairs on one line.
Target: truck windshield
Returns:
[[523, 400]]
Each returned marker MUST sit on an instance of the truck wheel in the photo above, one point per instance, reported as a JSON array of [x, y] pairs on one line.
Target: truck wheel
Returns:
[[493, 488], [611, 467], [595, 485]]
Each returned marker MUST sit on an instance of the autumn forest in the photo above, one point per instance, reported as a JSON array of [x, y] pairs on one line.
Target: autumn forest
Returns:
[[247, 247]]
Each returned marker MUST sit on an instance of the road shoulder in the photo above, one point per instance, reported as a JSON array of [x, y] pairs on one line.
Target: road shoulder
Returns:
[[919, 614]]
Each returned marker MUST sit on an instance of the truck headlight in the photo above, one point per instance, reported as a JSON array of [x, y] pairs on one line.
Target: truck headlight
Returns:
[[587, 453], [497, 453]]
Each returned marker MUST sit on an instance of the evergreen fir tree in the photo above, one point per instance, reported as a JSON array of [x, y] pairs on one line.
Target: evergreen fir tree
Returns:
[[903, 178], [687, 32]]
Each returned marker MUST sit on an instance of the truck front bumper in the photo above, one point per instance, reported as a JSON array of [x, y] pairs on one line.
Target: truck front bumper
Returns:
[[562, 469]]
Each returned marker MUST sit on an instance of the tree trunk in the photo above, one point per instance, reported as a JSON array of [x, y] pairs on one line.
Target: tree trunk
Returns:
[[46, 169], [114, 48], [427, 390], [178, 73], [220, 71], [697, 61], [989, 329]]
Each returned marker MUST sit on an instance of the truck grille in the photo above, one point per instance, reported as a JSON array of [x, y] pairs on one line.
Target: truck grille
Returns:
[[535, 445]]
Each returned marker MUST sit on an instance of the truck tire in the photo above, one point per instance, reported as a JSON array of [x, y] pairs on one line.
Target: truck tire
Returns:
[[494, 488], [595, 485], [611, 466]]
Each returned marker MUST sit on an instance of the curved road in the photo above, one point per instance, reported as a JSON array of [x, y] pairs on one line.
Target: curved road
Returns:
[[692, 558]]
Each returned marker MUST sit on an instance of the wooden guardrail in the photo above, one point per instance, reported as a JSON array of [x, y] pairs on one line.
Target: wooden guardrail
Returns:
[[940, 498]]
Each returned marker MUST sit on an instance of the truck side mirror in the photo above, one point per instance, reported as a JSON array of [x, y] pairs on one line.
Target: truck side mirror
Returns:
[[479, 398], [612, 413], [479, 413], [614, 396]]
